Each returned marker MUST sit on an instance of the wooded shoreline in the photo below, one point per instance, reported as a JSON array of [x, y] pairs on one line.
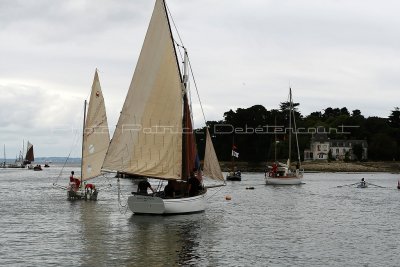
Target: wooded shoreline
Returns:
[[333, 166]]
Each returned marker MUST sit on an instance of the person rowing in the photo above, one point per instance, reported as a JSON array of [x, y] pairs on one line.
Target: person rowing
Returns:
[[362, 184]]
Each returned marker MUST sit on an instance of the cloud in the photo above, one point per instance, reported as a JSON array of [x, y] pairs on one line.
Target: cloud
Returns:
[[243, 53]]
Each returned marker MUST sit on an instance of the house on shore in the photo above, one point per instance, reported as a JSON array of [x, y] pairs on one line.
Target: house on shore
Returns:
[[323, 148]]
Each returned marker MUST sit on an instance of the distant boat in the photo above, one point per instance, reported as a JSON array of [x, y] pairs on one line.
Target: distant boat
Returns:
[[4, 158], [37, 167], [234, 174], [29, 157], [95, 140], [154, 135], [281, 173], [19, 160]]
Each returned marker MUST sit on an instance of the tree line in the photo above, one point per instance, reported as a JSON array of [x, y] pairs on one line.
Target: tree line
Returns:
[[260, 134]]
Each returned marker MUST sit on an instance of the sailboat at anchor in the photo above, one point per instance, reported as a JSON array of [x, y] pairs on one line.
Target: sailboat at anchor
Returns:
[[154, 135], [281, 173]]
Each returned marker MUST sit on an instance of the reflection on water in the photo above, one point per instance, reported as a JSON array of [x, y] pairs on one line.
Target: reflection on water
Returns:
[[94, 233], [164, 240], [315, 224]]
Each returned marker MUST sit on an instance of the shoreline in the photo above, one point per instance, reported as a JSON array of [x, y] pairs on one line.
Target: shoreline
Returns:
[[333, 166]]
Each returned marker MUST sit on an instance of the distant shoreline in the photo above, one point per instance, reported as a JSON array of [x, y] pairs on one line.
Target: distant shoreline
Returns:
[[333, 166]]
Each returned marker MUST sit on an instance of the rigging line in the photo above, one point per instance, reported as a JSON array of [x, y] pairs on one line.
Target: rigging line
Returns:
[[179, 51], [214, 193], [188, 90], [125, 206], [74, 143], [197, 91], [173, 22], [190, 65]]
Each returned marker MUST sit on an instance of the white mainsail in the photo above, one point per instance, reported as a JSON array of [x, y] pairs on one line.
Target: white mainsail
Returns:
[[148, 137], [96, 136], [211, 167]]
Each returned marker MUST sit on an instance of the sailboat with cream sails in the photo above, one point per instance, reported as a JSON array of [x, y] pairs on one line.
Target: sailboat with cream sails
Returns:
[[95, 140], [281, 173], [154, 135]]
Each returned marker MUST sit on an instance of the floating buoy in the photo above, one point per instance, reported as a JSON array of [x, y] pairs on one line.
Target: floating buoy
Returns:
[[228, 197], [251, 187]]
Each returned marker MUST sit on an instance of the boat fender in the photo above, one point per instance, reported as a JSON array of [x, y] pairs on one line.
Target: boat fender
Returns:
[[228, 197]]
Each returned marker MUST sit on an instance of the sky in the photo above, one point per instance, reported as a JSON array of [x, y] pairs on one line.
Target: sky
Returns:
[[332, 53]]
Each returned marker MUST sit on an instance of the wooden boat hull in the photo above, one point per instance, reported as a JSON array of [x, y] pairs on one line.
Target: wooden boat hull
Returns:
[[77, 195], [283, 181], [233, 178], [140, 204], [74, 195]]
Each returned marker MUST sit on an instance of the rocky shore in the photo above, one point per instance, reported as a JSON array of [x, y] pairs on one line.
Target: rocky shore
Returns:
[[333, 166]]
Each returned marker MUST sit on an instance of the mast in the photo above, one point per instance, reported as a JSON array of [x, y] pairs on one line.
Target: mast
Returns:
[[276, 144], [4, 155], [83, 138], [232, 153], [185, 171], [173, 45], [23, 151], [290, 125], [297, 140]]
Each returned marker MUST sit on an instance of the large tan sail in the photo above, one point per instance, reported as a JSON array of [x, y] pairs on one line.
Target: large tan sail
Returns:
[[147, 140], [211, 168], [96, 137]]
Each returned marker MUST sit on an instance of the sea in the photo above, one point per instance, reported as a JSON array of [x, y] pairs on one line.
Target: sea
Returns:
[[324, 222]]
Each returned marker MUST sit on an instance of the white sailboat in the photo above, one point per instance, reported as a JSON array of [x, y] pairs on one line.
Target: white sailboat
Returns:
[[154, 136], [280, 173], [95, 140]]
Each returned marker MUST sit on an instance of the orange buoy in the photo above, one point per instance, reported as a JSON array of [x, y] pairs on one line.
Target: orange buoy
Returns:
[[228, 197]]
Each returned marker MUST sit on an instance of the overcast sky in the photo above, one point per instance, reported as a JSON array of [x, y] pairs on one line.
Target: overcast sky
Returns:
[[333, 53]]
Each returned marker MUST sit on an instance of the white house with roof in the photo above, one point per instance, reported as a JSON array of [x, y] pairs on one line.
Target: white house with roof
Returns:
[[321, 145]]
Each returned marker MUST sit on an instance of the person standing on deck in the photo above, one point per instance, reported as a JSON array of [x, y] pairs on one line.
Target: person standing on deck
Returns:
[[74, 181]]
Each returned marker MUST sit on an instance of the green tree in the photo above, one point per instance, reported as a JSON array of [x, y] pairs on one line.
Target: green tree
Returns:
[[358, 151]]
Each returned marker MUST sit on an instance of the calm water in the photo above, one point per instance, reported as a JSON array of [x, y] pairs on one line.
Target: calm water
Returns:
[[314, 224]]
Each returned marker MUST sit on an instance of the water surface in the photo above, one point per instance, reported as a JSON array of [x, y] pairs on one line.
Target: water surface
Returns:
[[313, 224]]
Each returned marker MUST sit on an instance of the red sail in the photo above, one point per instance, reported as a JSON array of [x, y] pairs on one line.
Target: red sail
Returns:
[[189, 151], [29, 154]]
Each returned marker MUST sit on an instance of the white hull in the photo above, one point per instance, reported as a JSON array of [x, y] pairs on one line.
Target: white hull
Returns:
[[140, 204], [283, 181]]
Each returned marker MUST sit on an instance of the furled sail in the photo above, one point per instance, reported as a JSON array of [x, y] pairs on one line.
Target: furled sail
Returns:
[[147, 140], [211, 168], [96, 136], [29, 153]]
